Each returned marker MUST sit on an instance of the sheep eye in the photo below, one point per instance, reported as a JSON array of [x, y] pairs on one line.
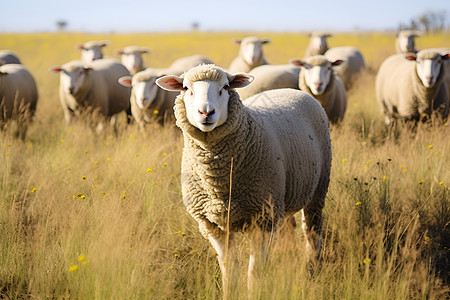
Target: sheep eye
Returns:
[[185, 88], [226, 87]]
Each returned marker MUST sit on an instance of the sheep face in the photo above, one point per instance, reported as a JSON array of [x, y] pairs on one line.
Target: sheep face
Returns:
[[145, 92], [251, 49], [72, 80], [132, 61], [91, 51], [206, 94], [319, 43], [407, 43], [428, 68]]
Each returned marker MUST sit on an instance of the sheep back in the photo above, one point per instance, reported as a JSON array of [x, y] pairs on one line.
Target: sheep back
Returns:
[[353, 63], [270, 77]]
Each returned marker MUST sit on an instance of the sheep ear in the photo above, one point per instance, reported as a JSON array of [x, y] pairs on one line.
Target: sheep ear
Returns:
[[297, 62], [170, 83], [104, 43], [125, 81], [411, 57], [87, 69], [337, 62], [118, 52], [446, 56], [3, 73], [55, 69], [265, 41], [80, 47], [236, 41], [145, 50], [240, 80]]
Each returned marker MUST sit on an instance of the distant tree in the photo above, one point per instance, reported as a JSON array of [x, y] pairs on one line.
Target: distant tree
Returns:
[[195, 26], [425, 21], [61, 25]]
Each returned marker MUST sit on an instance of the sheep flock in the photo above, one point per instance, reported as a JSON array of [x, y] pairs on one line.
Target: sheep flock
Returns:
[[257, 146]]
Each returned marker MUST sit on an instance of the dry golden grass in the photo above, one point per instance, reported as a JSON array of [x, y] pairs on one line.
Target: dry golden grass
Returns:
[[101, 216]]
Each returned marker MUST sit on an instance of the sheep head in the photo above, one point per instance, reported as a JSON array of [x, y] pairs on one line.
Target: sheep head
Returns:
[[206, 93]]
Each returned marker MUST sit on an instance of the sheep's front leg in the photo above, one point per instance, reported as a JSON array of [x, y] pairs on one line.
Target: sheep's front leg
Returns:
[[228, 262], [258, 256], [312, 228]]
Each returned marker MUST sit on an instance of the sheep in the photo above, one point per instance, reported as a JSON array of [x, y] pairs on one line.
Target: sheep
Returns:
[[405, 41], [131, 57], [149, 103], [275, 145], [95, 86], [444, 51], [270, 77], [353, 63], [318, 79], [250, 54], [8, 57], [317, 43], [92, 50], [18, 97], [411, 86]]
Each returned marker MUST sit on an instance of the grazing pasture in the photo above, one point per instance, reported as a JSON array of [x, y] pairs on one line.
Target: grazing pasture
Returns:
[[86, 215]]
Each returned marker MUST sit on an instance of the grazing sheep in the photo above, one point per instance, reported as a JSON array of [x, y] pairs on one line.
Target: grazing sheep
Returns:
[[185, 63], [276, 147], [444, 51], [317, 43], [131, 57], [411, 86], [250, 54], [318, 79], [8, 57], [93, 87], [92, 50], [18, 97], [271, 77], [353, 63], [405, 42], [149, 103]]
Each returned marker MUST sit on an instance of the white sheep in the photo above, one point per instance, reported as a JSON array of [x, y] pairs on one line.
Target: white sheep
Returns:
[[318, 79], [317, 43], [444, 51], [8, 57], [411, 86], [276, 146], [149, 103], [405, 41], [250, 54], [92, 50], [131, 57], [95, 86], [18, 97], [353, 63], [271, 77]]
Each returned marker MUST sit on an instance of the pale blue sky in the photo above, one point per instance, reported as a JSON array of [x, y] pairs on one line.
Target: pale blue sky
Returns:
[[170, 15]]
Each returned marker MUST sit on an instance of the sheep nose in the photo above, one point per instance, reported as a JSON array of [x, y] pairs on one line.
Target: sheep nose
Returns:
[[429, 79], [71, 90], [207, 114], [318, 84]]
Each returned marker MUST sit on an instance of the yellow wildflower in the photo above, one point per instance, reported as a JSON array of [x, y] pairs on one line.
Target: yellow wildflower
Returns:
[[344, 160], [367, 260], [441, 183], [176, 255], [81, 257], [421, 181], [73, 268], [149, 170], [124, 196], [108, 159], [84, 177], [156, 112], [164, 164], [33, 190], [430, 146], [164, 154], [61, 140], [358, 203]]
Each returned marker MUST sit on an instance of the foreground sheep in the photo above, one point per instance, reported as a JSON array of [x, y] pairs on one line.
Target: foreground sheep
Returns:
[[92, 50], [276, 147], [317, 43], [131, 57], [409, 86], [271, 77], [318, 79], [250, 54], [8, 57], [93, 87], [149, 103], [18, 97], [353, 63], [405, 41]]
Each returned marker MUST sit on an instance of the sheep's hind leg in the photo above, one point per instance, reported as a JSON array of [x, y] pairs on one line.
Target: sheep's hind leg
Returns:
[[312, 229], [260, 242]]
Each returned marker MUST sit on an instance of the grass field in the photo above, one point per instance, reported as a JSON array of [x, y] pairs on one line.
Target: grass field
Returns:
[[101, 216]]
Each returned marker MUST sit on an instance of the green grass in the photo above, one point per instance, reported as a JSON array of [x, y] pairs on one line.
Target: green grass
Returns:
[[101, 216]]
